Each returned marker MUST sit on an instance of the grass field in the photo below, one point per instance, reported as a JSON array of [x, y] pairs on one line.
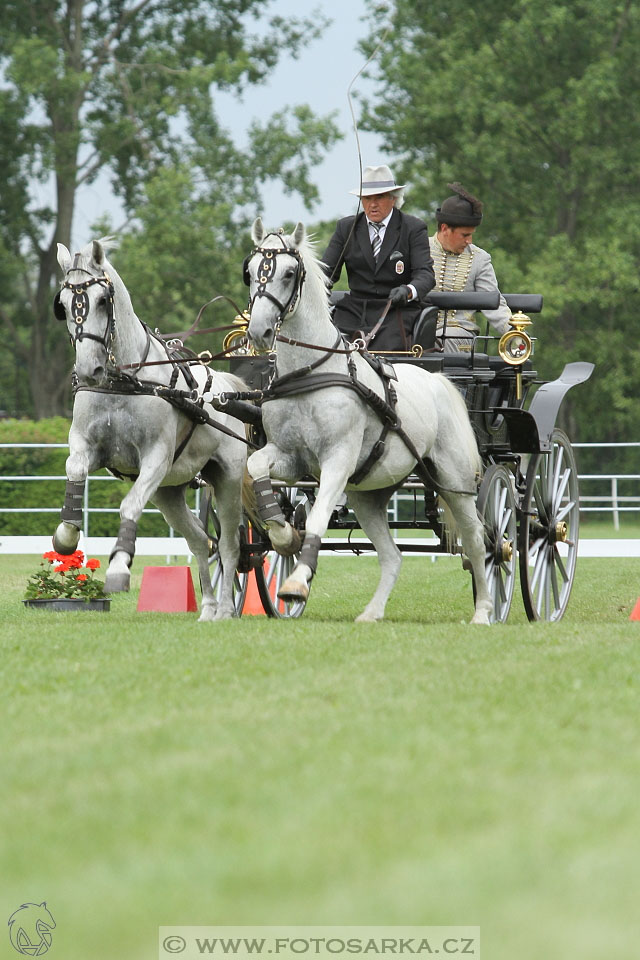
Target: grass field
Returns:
[[421, 771]]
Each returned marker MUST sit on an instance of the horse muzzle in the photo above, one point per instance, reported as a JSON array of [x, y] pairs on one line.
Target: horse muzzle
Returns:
[[262, 334], [91, 371]]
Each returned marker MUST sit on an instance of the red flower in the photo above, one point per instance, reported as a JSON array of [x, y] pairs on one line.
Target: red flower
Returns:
[[62, 569], [82, 576], [50, 555], [92, 564]]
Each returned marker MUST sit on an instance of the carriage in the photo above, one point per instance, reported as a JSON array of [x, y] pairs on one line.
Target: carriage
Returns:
[[527, 499], [496, 459]]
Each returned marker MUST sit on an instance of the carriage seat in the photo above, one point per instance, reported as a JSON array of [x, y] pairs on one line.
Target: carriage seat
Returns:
[[424, 331], [526, 302]]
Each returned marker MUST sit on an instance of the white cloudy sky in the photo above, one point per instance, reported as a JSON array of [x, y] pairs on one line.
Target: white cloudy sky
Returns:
[[321, 78]]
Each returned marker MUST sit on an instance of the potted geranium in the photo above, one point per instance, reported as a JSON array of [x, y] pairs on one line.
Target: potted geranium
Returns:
[[66, 582]]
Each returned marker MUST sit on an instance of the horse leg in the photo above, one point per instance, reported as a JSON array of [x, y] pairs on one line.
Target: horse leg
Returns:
[[370, 507], [79, 464], [227, 488], [333, 480], [152, 471], [269, 460], [171, 502], [471, 530]]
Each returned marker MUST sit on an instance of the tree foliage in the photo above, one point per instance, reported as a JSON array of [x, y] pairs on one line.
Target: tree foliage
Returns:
[[531, 106], [128, 87]]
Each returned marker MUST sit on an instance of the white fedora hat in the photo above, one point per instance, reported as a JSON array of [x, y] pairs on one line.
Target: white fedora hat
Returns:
[[377, 180]]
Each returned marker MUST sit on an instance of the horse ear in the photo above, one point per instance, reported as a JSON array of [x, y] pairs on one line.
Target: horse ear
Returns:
[[98, 253], [64, 258], [298, 234], [257, 231]]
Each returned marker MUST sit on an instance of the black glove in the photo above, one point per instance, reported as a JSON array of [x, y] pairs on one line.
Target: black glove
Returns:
[[399, 295]]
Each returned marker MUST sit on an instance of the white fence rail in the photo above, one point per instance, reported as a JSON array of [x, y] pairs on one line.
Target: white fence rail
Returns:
[[612, 502]]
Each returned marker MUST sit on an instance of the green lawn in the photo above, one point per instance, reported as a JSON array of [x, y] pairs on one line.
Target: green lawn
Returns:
[[420, 771]]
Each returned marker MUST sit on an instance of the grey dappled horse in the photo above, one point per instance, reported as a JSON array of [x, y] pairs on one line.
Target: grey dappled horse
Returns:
[[141, 436], [329, 431]]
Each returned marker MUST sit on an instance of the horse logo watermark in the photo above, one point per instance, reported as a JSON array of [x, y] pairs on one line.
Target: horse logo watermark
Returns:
[[30, 929]]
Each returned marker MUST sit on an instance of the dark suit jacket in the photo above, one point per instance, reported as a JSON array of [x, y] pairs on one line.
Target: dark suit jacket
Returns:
[[404, 258]]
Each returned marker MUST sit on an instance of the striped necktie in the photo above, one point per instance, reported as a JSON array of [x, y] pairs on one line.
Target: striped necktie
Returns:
[[376, 242]]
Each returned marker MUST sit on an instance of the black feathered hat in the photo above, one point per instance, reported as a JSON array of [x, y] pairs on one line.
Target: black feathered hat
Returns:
[[461, 210]]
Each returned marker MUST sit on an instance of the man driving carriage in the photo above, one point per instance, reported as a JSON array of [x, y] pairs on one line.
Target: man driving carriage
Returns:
[[387, 257], [461, 266]]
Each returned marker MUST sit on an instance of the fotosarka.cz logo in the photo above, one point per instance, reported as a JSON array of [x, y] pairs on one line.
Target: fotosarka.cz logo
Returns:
[[30, 929], [319, 943]]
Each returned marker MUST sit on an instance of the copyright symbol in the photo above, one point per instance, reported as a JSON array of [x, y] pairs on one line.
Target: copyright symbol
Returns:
[[174, 944]]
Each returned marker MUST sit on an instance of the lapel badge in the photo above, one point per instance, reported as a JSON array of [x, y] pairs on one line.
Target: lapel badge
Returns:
[[399, 266]]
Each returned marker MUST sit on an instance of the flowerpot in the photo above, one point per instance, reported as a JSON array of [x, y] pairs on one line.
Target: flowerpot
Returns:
[[69, 603]]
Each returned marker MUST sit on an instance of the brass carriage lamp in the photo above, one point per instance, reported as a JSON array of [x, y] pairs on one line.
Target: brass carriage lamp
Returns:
[[515, 346], [235, 340]]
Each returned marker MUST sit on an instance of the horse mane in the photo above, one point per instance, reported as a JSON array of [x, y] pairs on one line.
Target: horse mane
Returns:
[[313, 264], [85, 255]]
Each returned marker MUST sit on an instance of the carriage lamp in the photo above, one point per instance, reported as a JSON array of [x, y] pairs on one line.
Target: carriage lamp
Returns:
[[233, 342], [515, 346]]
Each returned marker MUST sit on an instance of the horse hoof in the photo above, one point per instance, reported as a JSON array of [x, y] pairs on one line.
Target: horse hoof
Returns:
[[117, 583], [65, 549], [482, 619], [207, 614], [292, 548], [369, 617], [293, 590]]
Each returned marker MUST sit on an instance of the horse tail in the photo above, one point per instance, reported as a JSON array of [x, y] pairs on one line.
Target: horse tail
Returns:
[[450, 529], [249, 501], [460, 425]]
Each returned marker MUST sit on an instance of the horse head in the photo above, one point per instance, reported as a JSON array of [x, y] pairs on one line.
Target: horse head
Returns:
[[274, 272], [86, 303]]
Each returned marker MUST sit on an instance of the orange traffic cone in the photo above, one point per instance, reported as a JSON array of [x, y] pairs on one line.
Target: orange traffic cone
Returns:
[[635, 613], [252, 602], [168, 590]]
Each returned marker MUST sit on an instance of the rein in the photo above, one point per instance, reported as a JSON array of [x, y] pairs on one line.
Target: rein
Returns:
[[357, 346], [186, 403]]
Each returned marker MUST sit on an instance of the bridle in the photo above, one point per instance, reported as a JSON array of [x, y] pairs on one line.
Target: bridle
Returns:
[[80, 309], [266, 273]]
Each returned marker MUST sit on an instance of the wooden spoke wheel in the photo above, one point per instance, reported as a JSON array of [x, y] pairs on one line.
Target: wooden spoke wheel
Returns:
[[549, 529], [497, 509], [275, 569], [211, 523]]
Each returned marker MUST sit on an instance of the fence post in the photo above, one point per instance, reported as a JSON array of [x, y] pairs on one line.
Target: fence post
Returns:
[[614, 503], [85, 508]]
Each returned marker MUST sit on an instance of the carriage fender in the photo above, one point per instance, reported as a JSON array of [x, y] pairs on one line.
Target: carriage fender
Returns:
[[530, 431]]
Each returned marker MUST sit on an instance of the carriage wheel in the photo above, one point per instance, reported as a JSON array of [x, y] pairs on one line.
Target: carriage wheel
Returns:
[[497, 509], [211, 523], [548, 535], [275, 569]]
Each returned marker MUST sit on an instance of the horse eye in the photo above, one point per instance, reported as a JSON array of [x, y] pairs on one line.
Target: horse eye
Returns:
[[289, 273]]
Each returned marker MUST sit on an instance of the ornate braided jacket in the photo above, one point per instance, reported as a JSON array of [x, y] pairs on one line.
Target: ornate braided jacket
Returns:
[[468, 271]]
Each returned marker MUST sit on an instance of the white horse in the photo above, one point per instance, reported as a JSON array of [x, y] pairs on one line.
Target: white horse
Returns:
[[120, 424], [320, 425]]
